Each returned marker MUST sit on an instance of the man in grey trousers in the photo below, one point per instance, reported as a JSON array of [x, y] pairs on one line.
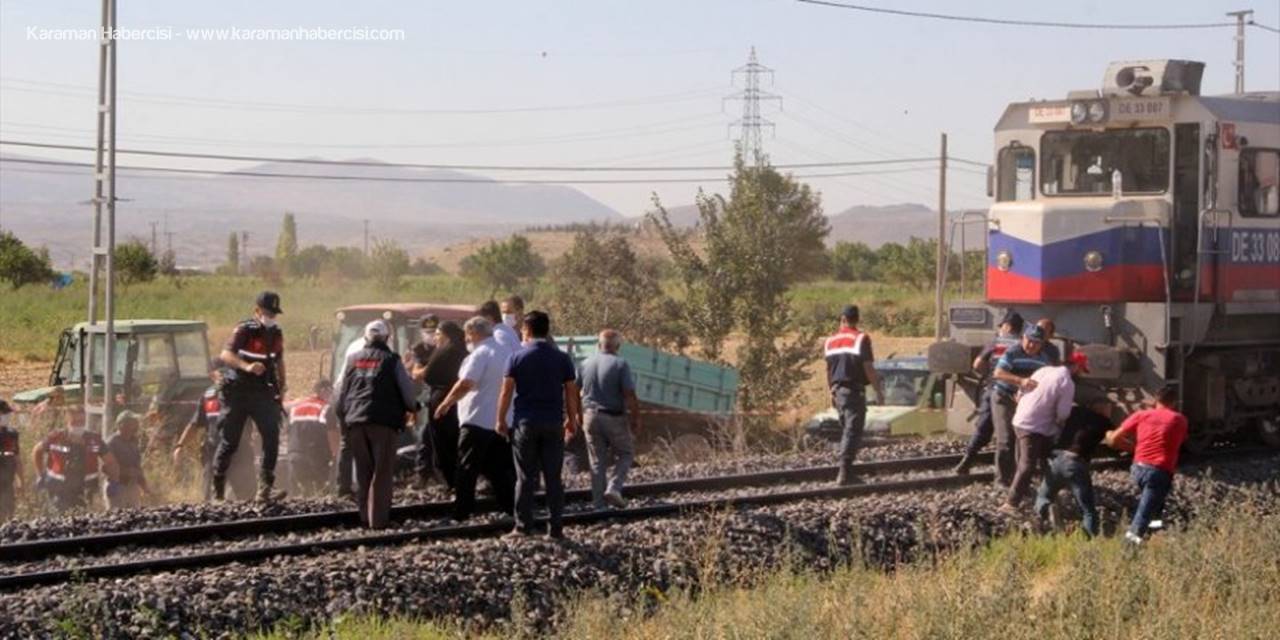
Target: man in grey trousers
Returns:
[[611, 418], [374, 403]]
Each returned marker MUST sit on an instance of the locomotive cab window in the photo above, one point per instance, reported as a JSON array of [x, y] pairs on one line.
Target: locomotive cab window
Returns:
[[1084, 162], [1259, 193], [1017, 174]]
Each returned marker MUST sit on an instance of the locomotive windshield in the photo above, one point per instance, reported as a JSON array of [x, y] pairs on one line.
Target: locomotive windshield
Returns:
[[1082, 162]]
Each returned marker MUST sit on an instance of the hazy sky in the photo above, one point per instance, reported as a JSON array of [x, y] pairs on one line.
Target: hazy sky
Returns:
[[854, 85]]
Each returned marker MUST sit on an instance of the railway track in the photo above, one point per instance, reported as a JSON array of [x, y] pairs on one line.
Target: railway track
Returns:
[[171, 536], [181, 535], [100, 543]]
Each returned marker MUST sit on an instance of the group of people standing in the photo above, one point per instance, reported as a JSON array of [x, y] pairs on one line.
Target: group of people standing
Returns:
[[1045, 421], [497, 404], [74, 466]]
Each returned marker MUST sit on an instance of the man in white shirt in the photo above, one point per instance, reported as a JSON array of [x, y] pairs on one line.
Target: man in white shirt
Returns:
[[1037, 421], [480, 448], [503, 333]]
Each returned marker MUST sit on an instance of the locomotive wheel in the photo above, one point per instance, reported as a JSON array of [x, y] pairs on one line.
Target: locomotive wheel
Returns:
[[1269, 431]]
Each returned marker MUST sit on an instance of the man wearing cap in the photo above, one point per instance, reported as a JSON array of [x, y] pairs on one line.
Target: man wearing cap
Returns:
[[850, 368], [1013, 374], [373, 404], [253, 388], [10, 463], [1042, 409], [1010, 329], [122, 465]]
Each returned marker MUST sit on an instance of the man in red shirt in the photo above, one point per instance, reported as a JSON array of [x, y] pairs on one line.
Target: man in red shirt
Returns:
[[1159, 433]]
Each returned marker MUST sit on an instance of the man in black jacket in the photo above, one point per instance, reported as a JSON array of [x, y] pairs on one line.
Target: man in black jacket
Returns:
[[375, 402]]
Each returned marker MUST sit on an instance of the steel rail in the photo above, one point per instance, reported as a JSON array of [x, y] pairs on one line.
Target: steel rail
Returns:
[[466, 531], [496, 527], [99, 543]]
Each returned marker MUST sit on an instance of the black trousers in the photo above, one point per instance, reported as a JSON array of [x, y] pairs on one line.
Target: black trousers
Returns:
[[266, 412], [539, 451], [438, 442], [345, 466], [983, 426], [851, 404], [483, 451]]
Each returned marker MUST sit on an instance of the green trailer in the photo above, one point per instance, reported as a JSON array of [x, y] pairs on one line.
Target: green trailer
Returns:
[[685, 401]]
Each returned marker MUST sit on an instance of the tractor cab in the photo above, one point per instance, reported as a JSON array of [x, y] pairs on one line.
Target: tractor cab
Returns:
[[160, 364], [404, 319]]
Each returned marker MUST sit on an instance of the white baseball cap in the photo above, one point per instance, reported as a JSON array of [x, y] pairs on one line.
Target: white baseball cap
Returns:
[[376, 331]]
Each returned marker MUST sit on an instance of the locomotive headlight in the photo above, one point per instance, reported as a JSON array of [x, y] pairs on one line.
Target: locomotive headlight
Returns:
[[1004, 260], [1079, 113], [386, 315], [1093, 261], [1097, 111], [340, 316]]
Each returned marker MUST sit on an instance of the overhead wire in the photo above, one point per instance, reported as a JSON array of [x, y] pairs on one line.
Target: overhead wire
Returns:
[[1019, 23], [57, 88], [448, 180], [463, 167]]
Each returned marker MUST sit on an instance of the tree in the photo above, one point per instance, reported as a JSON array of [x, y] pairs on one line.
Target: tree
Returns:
[[287, 243], [310, 261], [853, 262], [134, 263], [509, 265], [19, 265], [424, 267], [168, 263], [345, 262], [600, 282], [387, 263], [232, 266], [913, 265], [765, 237]]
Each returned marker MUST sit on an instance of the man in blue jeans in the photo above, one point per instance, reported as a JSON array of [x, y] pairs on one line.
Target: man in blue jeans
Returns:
[[1084, 430], [541, 377], [1159, 433]]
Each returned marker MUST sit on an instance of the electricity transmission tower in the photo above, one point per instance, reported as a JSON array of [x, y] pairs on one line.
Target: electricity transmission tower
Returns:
[[751, 124]]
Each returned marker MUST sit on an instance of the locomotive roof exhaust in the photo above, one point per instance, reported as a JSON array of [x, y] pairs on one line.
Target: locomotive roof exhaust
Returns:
[[1153, 78]]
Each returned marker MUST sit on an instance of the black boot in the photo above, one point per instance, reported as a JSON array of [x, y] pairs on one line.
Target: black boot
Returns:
[[219, 488], [966, 462], [265, 494]]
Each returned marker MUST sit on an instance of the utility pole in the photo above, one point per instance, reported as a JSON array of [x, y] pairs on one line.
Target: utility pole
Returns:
[[102, 260], [244, 251], [751, 122], [1240, 17], [366, 237], [942, 238]]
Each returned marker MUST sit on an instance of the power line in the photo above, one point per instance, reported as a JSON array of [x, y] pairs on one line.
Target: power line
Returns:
[[751, 124], [461, 167], [1263, 26], [1020, 23], [646, 130], [57, 88], [489, 181]]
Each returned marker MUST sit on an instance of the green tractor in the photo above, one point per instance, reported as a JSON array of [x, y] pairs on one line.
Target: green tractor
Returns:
[[159, 364]]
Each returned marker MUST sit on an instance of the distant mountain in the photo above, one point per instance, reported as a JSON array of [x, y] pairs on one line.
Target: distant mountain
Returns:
[[44, 206], [883, 224]]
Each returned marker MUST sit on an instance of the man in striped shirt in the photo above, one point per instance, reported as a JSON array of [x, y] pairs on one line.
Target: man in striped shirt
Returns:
[[850, 368]]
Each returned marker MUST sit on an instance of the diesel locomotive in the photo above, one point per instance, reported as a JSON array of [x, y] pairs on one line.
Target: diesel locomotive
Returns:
[[1144, 219]]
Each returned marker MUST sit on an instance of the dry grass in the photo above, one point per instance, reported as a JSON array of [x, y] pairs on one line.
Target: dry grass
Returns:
[[1221, 579]]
